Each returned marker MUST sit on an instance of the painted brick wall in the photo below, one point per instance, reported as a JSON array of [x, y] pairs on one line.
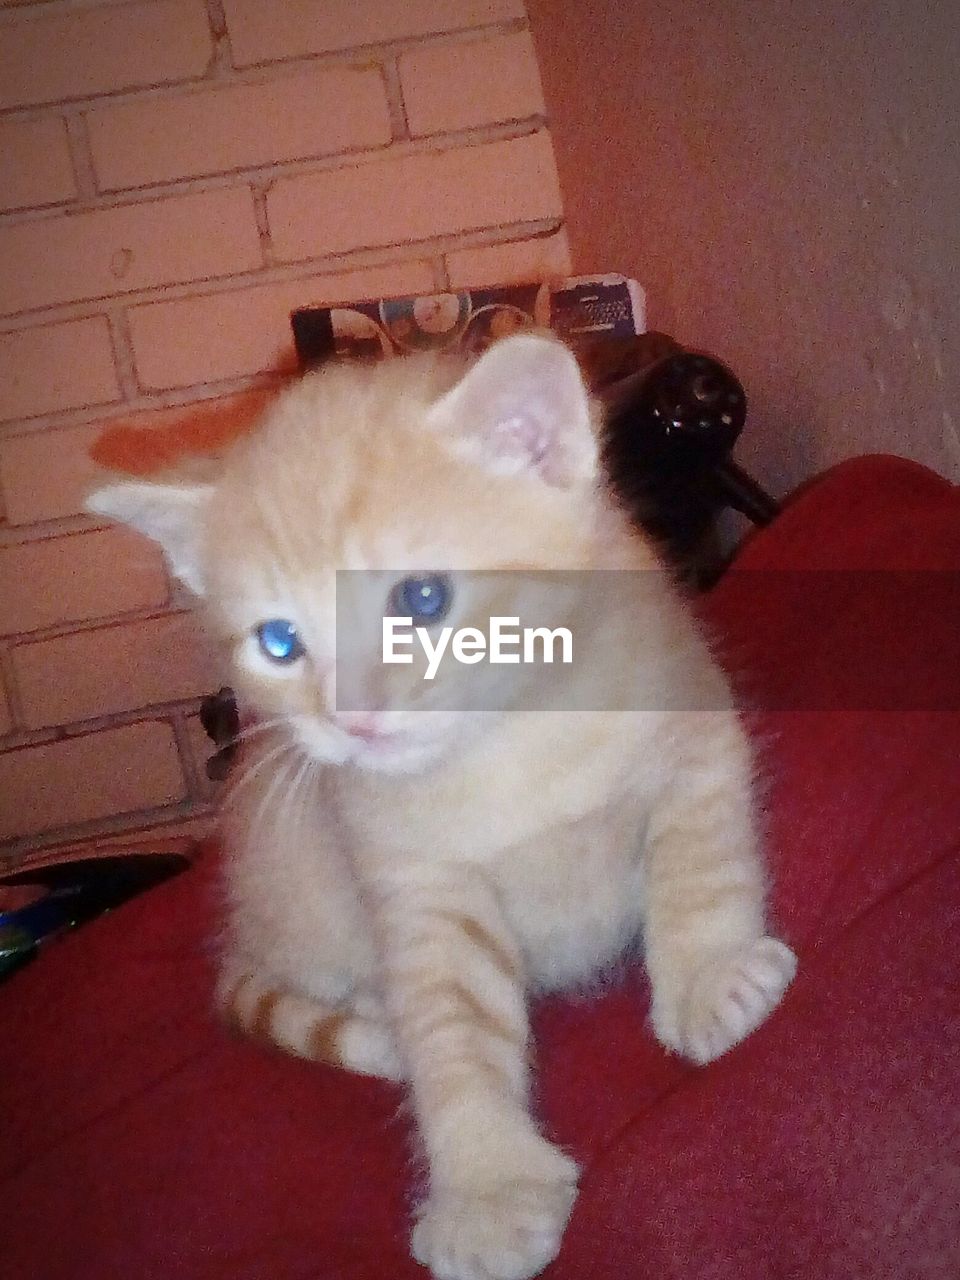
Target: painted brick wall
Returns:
[[175, 177]]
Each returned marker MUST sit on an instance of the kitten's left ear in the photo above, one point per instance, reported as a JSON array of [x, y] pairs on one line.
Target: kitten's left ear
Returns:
[[523, 407], [170, 514]]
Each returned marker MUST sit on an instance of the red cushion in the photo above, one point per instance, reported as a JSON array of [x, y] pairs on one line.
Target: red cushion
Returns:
[[141, 1140]]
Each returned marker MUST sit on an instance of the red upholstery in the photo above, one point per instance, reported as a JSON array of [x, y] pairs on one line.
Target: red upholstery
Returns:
[[140, 1141]]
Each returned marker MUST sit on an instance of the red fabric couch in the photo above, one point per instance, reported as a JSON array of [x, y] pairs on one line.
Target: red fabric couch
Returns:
[[139, 1140]]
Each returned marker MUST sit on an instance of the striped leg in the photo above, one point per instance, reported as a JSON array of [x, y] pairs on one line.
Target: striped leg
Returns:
[[714, 972], [500, 1195], [352, 1034]]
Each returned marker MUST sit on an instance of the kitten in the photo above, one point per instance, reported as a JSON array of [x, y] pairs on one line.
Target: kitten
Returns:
[[400, 883]]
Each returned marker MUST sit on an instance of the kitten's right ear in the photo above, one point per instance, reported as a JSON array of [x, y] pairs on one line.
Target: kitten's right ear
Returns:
[[170, 514], [523, 407]]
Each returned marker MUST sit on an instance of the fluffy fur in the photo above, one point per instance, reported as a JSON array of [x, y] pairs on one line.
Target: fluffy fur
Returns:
[[401, 882]]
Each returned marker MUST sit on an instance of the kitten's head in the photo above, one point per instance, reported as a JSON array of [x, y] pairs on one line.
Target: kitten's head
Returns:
[[416, 471]]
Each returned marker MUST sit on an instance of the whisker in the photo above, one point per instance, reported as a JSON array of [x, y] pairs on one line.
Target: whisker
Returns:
[[258, 726], [282, 777], [264, 760], [293, 790], [300, 790]]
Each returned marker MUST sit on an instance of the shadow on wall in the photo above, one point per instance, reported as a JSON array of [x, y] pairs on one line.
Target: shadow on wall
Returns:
[[139, 450]]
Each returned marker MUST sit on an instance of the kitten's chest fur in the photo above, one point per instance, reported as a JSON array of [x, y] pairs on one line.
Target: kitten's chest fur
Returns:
[[558, 833], [573, 895]]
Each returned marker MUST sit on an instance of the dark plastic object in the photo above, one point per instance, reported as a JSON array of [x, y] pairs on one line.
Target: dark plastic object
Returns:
[[221, 722], [76, 892], [670, 427]]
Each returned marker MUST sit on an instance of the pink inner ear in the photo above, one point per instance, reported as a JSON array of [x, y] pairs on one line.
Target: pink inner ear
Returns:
[[531, 438], [524, 403], [523, 435]]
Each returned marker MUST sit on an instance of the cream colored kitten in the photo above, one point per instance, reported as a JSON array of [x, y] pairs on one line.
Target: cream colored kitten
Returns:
[[402, 879]]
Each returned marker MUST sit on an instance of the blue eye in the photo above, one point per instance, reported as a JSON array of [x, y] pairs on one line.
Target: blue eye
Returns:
[[424, 599], [279, 640]]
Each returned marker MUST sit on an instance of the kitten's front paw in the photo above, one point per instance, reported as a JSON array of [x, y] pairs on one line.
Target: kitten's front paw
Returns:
[[726, 999], [508, 1231]]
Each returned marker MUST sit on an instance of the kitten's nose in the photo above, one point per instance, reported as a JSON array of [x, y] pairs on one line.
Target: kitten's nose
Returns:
[[367, 725]]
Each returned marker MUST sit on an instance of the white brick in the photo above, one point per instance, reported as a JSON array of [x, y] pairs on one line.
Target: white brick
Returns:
[[474, 82], [84, 576], [94, 776], [313, 113], [415, 197], [521, 261], [60, 366], [262, 32], [35, 166], [47, 474], [248, 331], [48, 57], [111, 669], [109, 251]]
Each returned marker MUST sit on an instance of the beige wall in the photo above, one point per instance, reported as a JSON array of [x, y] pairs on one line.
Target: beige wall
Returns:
[[784, 177], [175, 177]]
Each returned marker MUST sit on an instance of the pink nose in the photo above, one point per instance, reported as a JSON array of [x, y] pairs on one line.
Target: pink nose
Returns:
[[361, 724]]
